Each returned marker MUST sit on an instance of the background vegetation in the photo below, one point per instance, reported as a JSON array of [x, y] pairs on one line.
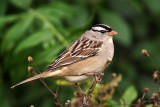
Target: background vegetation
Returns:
[[44, 28]]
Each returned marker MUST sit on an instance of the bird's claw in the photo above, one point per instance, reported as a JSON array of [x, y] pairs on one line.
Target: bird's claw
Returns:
[[98, 79], [97, 76]]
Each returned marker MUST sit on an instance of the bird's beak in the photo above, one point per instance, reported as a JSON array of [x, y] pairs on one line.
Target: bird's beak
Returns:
[[112, 33]]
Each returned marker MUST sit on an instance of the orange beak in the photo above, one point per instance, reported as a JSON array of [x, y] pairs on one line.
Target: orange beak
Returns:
[[112, 33]]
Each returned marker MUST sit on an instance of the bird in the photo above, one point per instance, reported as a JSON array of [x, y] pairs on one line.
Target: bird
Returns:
[[86, 55]]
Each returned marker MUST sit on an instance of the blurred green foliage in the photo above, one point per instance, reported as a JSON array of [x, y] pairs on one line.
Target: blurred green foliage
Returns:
[[44, 28]]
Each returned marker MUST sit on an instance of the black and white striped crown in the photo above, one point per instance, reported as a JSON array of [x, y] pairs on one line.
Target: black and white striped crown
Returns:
[[101, 28]]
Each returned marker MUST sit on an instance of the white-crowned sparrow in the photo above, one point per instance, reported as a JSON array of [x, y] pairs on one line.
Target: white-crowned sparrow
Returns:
[[85, 55]]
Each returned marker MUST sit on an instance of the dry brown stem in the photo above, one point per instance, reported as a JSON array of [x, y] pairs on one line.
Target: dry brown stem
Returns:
[[32, 71]]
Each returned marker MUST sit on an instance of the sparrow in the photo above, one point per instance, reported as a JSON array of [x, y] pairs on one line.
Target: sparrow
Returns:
[[86, 55]]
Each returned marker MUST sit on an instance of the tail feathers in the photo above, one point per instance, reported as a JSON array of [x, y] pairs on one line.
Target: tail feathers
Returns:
[[29, 79], [46, 74]]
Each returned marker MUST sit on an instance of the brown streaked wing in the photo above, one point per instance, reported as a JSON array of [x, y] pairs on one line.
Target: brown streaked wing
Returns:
[[79, 50]]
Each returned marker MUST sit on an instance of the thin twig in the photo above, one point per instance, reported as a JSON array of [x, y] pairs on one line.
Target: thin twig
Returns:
[[56, 101], [41, 79], [153, 62], [55, 95]]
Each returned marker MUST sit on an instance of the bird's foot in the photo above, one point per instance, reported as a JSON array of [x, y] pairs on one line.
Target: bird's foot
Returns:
[[96, 75], [98, 79]]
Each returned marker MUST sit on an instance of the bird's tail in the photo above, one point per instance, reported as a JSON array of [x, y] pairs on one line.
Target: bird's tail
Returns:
[[28, 80], [38, 76]]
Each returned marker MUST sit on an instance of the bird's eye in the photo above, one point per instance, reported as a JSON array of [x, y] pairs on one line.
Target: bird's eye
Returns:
[[103, 31]]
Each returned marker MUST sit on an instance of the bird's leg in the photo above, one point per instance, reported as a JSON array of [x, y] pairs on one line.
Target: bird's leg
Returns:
[[97, 77]]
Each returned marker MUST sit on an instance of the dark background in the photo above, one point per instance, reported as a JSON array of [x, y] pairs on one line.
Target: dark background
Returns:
[[44, 28]]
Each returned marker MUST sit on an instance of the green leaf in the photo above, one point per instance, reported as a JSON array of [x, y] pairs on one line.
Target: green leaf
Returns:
[[129, 95], [16, 32], [2, 22], [3, 6], [54, 12], [21, 3], [116, 22], [33, 40], [150, 105], [81, 19], [8, 19], [111, 103], [48, 55], [153, 6]]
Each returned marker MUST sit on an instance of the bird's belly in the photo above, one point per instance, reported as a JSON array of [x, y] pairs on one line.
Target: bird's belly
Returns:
[[76, 79], [80, 68]]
